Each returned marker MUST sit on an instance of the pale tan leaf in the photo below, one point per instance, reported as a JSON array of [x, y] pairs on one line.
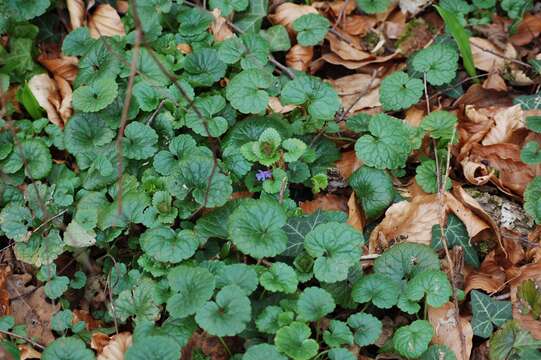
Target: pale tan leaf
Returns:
[[448, 332], [487, 57], [276, 106], [350, 87], [28, 352], [474, 224], [288, 12], [299, 57], [105, 21], [46, 93], [476, 173], [490, 277], [505, 122], [219, 28], [355, 213], [412, 6], [63, 66], [348, 163], [347, 47], [358, 24], [525, 319], [494, 81], [76, 10], [122, 6], [64, 88], [325, 202], [116, 348]]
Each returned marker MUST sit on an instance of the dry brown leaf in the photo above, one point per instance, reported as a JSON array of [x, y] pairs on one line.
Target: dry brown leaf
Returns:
[[490, 277], [349, 49], [476, 173], [325, 202], [406, 221], [83, 315], [219, 28], [105, 21], [446, 331], [412, 6], [349, 87], [54, 95], [122, 6], [526, 321], [30, 307], [184, 48], [395, 27], [5, 272], [334, 59], [487, 57], [288, 12], [355, 213], [348, 163], [76, 10], [528, 29], [276, 106], [299, 57], [494, 81], [336, 7], [479, 97], [358, 24], [28, 352], [116, 347], [505, 122], [98, 341], [474, 224], [63, 66]]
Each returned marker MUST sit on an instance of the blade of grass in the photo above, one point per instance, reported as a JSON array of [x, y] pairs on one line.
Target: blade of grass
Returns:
[[461, 37]]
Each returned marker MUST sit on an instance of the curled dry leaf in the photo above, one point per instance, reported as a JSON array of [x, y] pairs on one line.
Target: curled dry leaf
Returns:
[[505, 122], [528, 29], [5, 271], [348, 163], [115, 348], [105, 21], [54, 95], [350, 87], [276, 106], [62, 66], [358, 25], [494, 81], [490, 277], [184, 48], [288, 12], [336, 7], [446, 330], [526, 321], [83, 315], [76, 10], [219, 28], [347, 47], [487, 57], [334, 59], [299, 57], [476, 173], [28, 352], [355, 213], [412, 6], [325, 202]]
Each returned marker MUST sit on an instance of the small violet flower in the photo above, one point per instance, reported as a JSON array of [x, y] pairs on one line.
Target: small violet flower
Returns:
[[263, 175]]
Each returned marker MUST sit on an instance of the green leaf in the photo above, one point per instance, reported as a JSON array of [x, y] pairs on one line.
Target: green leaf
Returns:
[[192, 287], [381, 290], [373, 6], [456, 235], [138, 302], [166, 245], [294, 341], [62, 320], [461, 37], [32, 155], [314, 303], [84, 132], [277, 37], [412, 341], [431, 285], [255, 227], [246, 91], [515, 9], [279, 277], [534, 123], [147, 96], [367, 328], [77, 42], [209, 108], [388, 145], [97, 63], [95, 96], [532, 199], [488, 312], [25, 97], [182, 148], [252, 18], [425, 175], [530, 298], [241, 275], [228, 315], [151, 12], [267, 321], [154, 348], [311, 29], [440, 125], [341, 354], [374, 188], [67, 349], [7, 322], [338, 334], [14, 221], [139, 140], [77, 236], [405, 260], [336, 247], [440, 352], [531, 153], [438, 62], [320, 98], [228, 6], [78, 281], [512, 342], [294, 149], [251, 49], [398, 91], [263, 351], [203, 67]]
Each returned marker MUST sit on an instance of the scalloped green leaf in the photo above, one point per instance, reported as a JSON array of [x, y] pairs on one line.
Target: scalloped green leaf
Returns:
[[314, 303], [67, 349], [246, 91], [280, 277], [398, 91], [165, 245], [411, 341], [439, 62], [374, 188], [294, 341], [367, 328], [311, 29], [379, 289], [191, 287], [95, 96]]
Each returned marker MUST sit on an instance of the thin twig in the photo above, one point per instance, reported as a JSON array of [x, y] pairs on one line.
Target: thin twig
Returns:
[[341, 15], [49, 220], [156, 112], [27, 339], [501, 56], [427, 99]]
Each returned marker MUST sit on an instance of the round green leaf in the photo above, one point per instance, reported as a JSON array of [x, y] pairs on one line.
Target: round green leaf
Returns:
[[154, 348], [373, 6], [338, 334], [439, 62], [531, 153], [267, 321], [336, 247], [532, 199], [207, 109], [255, 227], [431, 284], [139, 141], [228, 6], [95, 96], [379, 289], [67, 349], [32, 155], [314, 303], [374, 188], [425, 175], [246, 91], [203, 67], [242, 275], [263, 351], [163, 244], [412, 341], [439, 352], [228, 315], [294, 341], [440, 125], [14, 221], [398, 91], [84, 132], [341, 354], [311, 29], [191, 287], [280, 277], [367, 328]]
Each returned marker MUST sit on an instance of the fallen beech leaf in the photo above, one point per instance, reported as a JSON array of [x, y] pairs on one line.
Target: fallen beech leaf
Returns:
[[28, 352], [299, 57], [487, 57], [276, 106], [476, 95], [98, 341], [219, 28], [288, 12], [412, 6], [350, 87], [490, 277], [324, 202], [476, 173], [55, 100], [505, 122], [494, 81], [105, 21], [474, 224], [83, 315], [116, 347], [528, 29], [348, 163], [334, 59], [526, 321], [355, 217], [446, 331], [63, 66], [395, 26], [347, 49], [184, 48], [5, 271], [122, 6], [76, 10], [358, 24], [336, 7]]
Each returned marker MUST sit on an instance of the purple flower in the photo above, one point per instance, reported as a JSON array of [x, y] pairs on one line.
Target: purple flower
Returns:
[[263, 175]]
